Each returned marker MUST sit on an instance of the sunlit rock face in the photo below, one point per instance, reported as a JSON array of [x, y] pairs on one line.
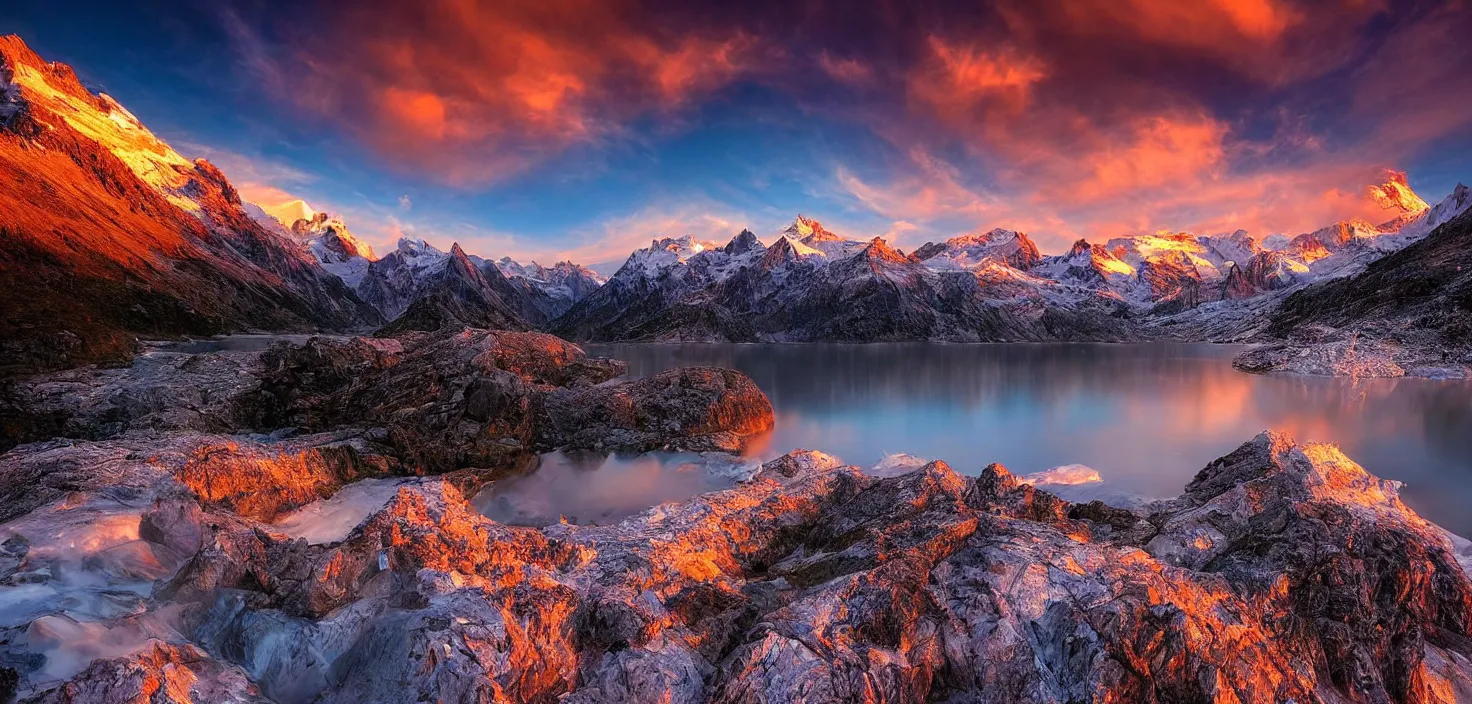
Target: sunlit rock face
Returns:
[[1396, 196], [163, 673], [118, 543], [158, 245], [1284, 572]]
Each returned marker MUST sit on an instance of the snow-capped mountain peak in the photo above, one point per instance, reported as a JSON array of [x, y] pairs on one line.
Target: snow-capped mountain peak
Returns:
[[326, 237], [1395, 194], [812, 235], [971, 250], [804, 227], [290, 212], [1456, 203], [511, 267], [662, 255], [742, 243], [417, 252]]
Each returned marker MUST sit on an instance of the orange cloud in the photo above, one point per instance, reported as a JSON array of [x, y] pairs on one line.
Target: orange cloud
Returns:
[[1209, 24], [418, 112], [1156, 152], [473, 92]]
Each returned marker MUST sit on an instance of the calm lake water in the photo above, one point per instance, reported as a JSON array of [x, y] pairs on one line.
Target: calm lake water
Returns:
[[1146, 417]]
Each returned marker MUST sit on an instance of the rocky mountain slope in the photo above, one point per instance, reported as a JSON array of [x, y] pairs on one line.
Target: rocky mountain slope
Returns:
[[422, 288], [108, 234], [1283, 572], [326, 237], [1409, 312]]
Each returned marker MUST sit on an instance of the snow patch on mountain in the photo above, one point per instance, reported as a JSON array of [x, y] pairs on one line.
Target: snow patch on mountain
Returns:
[[661, 256], [812, 235], [322, 235], [563, 281], [289, 212], [969, 251]]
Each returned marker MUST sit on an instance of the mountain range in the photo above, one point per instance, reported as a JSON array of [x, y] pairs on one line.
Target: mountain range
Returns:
[[110, 235]]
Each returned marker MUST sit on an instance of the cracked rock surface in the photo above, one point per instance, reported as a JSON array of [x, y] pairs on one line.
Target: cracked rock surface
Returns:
[[145, 559]]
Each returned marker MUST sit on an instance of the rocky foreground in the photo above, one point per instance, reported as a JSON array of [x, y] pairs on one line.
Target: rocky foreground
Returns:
[[142, 559]]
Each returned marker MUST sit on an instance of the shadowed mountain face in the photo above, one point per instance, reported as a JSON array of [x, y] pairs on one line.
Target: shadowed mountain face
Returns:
[[1426, 286], [107, 234], [1408, 313], [459, 294]]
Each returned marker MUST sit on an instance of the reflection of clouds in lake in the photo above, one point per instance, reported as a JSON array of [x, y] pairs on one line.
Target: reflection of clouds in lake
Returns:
[[597, 489], [1148, 417]]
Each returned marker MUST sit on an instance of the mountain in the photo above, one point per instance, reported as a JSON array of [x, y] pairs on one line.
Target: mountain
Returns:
[[1409, 312], [325, 237], [967, 251], [555, 288], [811, 284], [1089, 266], [644, 299], [290, 212], [811, 234], [334, 247], [107, 234], [449, 291], [392, 282], [416, 270]]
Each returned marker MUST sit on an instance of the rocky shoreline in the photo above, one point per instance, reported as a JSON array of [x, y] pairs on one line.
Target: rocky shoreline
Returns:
[[1356, 357], [144, 558]]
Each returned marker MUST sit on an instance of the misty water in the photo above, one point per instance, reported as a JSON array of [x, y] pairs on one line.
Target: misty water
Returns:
[[1147, 417]]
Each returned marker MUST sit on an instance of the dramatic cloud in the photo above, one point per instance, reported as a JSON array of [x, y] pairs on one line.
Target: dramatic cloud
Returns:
[[473, 93], [1066, 117]]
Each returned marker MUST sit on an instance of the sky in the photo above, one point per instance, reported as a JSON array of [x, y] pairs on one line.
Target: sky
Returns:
[[556, 129]]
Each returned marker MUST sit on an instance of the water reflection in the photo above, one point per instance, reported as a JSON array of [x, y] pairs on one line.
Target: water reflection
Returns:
[[594, 489], [1147, 417]]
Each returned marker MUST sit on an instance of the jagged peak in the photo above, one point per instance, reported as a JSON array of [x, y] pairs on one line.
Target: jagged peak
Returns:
[[785, 249], [415, 247], [684, 245], [1396, 194], [743, 242], [994, 236], [878, 249], [809, 229]]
